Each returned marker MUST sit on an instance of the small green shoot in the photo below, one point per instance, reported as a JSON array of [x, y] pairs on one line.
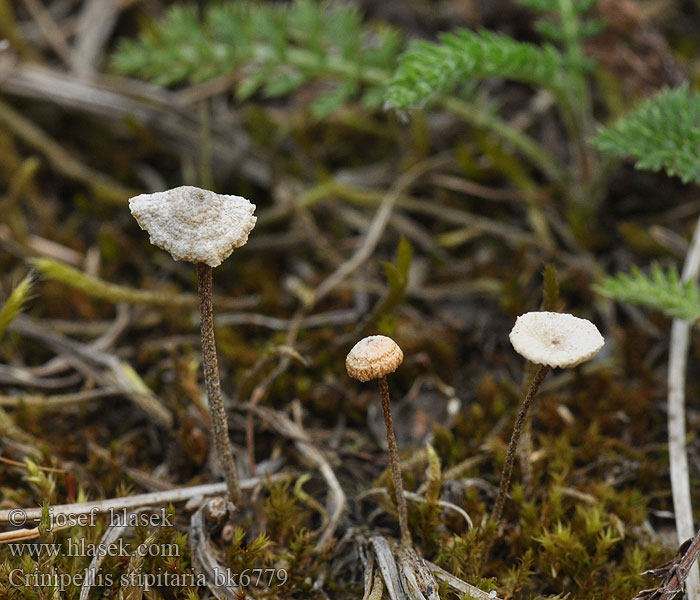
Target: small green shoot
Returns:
[[15, 303]]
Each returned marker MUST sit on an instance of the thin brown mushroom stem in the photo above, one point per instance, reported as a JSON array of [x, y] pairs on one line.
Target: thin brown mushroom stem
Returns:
[[394, 461], [219, 422], [535, 384]]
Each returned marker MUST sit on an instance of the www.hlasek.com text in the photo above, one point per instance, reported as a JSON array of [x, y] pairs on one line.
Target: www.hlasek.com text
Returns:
[[82, 547]]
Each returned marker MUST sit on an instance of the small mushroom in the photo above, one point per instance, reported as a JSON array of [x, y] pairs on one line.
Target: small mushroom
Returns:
[[193, 224], [555, 339], [374, 357], [548, 339], [202, 227]]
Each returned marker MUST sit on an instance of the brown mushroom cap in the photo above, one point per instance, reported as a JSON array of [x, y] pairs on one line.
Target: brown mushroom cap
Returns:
[[555, 339], [373, 357], [194, 224]]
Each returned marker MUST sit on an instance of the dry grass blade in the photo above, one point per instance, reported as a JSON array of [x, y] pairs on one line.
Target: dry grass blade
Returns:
[[387, 565], [418, 582], [19, 535], [678, 456], [459, 586], [173, 496]]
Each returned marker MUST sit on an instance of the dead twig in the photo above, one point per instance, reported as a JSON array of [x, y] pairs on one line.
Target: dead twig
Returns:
[[675, 572]]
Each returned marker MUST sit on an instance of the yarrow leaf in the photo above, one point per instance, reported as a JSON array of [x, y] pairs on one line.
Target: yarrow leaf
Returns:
[[663, 132], [659, 290], [429, 70], [271, 48]]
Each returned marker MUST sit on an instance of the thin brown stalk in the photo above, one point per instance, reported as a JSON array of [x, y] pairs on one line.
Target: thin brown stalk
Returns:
[[394, 461], [219, 421], [535, 384]]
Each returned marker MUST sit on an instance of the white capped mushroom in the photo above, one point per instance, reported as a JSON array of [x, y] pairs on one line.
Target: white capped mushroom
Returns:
[[193, 224], [202, 227], [373, 357], [555, 339]]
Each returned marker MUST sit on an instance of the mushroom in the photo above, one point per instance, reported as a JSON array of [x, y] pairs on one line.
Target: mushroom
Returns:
[[555, 339], [548, 339], [202, 227], [374, 357]]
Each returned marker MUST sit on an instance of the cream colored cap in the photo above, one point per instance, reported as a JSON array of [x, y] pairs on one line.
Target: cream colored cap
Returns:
[[194, 224], [555, 339], [373, 357]]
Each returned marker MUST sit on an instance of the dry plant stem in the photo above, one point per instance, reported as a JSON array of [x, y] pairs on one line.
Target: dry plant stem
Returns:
[[537, 380], [678, 457], [394, 460], [165, 497], [219, 421]]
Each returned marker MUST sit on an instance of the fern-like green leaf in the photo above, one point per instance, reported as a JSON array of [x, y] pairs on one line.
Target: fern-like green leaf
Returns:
[[271, 48], [429, 70], [663, 132], [659, 290]]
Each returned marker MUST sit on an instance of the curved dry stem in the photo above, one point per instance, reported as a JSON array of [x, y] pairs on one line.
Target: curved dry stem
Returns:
[[219, 422]]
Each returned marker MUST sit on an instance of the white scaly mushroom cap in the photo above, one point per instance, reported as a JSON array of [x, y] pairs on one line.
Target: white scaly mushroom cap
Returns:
[[373, 357], [555, 339], [194, 224]]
